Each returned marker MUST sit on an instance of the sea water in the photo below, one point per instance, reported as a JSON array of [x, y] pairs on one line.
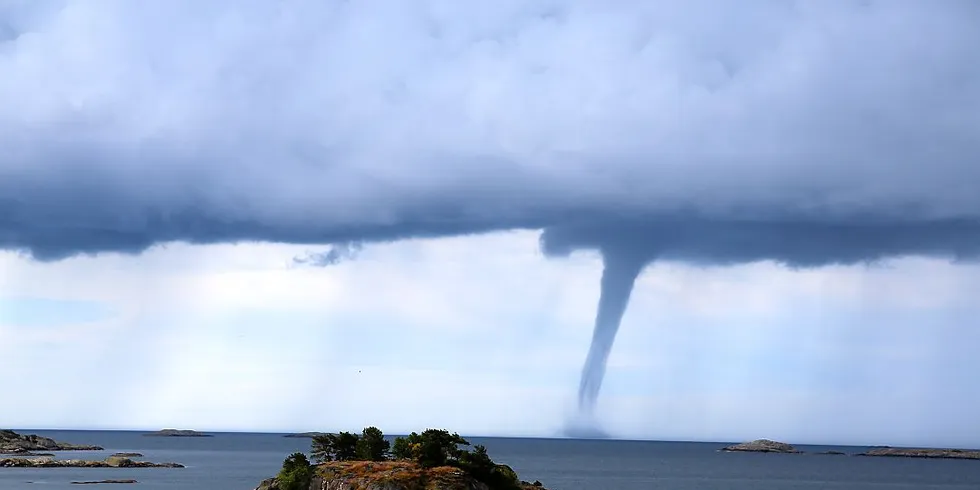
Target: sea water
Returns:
[[235, 461]]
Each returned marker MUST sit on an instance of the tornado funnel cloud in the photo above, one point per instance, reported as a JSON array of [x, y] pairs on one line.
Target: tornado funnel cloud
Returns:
[[619, 274]]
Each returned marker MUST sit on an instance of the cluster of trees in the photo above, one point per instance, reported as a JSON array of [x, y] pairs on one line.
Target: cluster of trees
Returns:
[[370, 445], [429, 449]]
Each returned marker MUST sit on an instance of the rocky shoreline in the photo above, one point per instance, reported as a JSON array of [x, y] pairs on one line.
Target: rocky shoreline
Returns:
[[21, 451], [769, 446], [14, 443], [110, 462], [392, 475]]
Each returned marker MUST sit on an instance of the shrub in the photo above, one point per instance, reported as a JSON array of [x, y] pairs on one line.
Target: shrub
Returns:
[[296, 473], [402, 448]]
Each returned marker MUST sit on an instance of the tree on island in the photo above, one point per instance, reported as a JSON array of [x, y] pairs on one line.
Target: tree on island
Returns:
[[296, 473], [345, 446], [431, 448], [372, 445], [334, 447]]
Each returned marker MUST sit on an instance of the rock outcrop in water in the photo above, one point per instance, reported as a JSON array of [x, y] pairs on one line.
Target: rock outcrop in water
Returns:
[[895, 452], [127, 455], [306, 435], [177, 433], [14, 443], [110, 462], [97, 482], [762, 446], [767, 446], [391, 475]]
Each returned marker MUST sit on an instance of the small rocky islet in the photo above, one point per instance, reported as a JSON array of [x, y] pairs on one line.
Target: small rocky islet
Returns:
[[897, 452], [177, 433], [770, 446], [305, 435], [98, 482], [762, 446], [21, 449]]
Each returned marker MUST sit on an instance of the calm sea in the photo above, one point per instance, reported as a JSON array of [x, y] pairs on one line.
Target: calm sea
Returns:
[[240, 461]]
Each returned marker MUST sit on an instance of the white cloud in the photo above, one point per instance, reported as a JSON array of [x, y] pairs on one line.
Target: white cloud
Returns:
[[483, 335]]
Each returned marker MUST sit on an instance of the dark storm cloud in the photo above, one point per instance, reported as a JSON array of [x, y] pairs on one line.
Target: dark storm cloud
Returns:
[[715, 132], [795, 244]]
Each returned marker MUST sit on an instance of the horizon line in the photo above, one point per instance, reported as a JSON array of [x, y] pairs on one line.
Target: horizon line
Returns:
[[611, 438]]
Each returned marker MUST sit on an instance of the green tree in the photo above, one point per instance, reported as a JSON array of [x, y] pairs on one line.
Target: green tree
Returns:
[[334, 447], [372, 445], [402, 448], [322, 448], [439, 448], [477, 463], [345, 446], [296, 473]]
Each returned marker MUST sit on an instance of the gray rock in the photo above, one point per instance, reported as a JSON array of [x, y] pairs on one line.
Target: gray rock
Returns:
[[102, 481], [762, 446], [308, 435], [390, 475], [895, 452], [14, 443], [110, 462], [268, 484], [177, 433]]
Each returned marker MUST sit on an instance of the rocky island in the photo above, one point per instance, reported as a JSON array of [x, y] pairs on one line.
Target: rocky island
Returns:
[[177, 433], [97, 482], [895, 452], [110, 462], [390, 475], [14, 443], [307, 435], [768, 446], [762, 446], [432, 460]]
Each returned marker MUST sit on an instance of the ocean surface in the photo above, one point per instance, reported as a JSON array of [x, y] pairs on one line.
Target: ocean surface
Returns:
[[240, 461]]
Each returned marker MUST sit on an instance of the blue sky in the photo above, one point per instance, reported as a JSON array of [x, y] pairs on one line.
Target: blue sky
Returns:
[[27, 312], [799, 178], [486, 336]]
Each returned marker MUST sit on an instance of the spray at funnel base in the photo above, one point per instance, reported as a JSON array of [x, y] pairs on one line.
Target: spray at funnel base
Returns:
[[618, 277]]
